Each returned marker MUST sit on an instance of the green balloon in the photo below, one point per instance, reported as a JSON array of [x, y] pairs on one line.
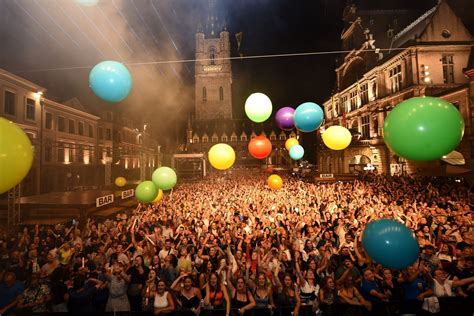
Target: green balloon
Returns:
[[423, 128], [16, 155], [146, 192], [164, 178], [258, 107]]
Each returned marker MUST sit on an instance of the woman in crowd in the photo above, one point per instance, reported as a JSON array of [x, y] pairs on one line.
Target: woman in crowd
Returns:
[[217, 297], [163, 303], [149, 291], [188, 296], [118, 285], [242, 299]]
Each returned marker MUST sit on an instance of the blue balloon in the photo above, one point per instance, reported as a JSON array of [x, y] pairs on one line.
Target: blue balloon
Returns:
[[390, 243], [110, 80], [296, 152], [308, 117]]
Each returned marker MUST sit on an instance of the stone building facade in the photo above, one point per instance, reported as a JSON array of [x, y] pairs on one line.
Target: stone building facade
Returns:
[[395, 55]]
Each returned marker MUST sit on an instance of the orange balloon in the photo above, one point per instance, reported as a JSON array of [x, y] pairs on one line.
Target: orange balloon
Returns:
[[260, 147], [275, 182]]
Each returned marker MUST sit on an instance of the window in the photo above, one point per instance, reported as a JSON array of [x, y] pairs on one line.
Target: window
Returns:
[[365, 127], [353, 100], [448, 68], [233, 138], [108, 134], [221, 93], [72, 127], [80, 128], [70, 152], [243, 138], [345, 105], [60, 152], [205, 139], [364, 93], [337, 107], [212, 55], [101, 133], [282, 137], [214, 139], [91, 131], [61, 124], [80, 154], [395, 75], [48, 153], [273, 137], [376, 124], [9, 99], [48, 121], [224, 139], [30, 109], [204, 94]]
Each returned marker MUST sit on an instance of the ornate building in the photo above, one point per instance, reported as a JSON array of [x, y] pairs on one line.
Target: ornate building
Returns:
[[395, 55]]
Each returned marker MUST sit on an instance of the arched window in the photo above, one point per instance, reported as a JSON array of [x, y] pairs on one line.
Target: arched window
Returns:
[[204, 94], [212, 55], [221, 93]]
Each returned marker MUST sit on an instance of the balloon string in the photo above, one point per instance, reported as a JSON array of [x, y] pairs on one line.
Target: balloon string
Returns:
[[180, 61]]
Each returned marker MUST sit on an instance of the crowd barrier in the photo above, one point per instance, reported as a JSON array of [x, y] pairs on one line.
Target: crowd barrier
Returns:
[[455, 306]]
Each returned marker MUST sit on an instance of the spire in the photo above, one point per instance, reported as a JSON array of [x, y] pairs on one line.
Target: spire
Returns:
[[212, 19]]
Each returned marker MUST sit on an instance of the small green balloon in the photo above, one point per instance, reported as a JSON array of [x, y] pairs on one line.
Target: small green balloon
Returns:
[[164, 178], [146, 192], [16, 155], [423, 128]]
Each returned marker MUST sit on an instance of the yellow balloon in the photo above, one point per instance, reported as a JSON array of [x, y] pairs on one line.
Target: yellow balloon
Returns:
[[337, 137], [290, 142], [120, 181], [221, 156], [275, 182], [16, 155], [159, 196]]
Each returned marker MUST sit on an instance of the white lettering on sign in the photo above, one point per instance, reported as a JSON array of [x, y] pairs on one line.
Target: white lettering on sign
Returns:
[[127, 193], [326, 175], [104, 200]]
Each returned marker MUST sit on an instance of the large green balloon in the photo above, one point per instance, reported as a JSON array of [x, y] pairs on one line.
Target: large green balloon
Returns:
[[146, 192], [16, 155], [423, 128], [164, 178]]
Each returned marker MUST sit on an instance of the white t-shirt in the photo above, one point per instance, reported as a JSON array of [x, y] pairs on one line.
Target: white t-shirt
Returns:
[[443, 290]]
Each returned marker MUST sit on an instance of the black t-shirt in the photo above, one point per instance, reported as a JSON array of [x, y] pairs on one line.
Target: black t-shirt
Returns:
[[136, 277]]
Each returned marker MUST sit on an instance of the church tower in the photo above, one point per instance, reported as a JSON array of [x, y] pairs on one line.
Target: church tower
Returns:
[[213, 73]]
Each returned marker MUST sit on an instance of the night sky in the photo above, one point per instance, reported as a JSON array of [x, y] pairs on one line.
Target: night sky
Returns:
[[36, 35]]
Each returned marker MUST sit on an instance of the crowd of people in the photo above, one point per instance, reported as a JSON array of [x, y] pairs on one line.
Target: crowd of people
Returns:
[[230, 245]]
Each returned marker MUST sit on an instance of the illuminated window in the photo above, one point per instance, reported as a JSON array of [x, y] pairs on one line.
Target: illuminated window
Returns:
[[448, 68]]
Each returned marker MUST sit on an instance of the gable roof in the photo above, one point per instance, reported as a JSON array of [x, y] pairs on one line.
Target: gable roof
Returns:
[[429, 27]]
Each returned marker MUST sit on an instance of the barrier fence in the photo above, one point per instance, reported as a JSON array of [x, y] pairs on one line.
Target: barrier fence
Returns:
[[453, 306]]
